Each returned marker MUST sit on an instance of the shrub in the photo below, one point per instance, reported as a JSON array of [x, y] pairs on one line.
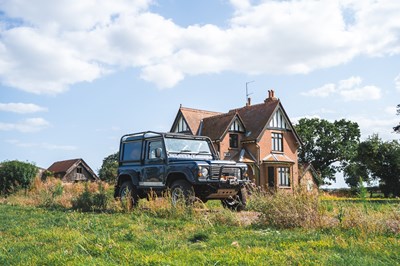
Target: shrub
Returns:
[[91, 201], [16, 175]]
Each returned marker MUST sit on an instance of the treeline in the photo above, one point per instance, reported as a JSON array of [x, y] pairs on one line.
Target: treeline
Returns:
[[334, 147]]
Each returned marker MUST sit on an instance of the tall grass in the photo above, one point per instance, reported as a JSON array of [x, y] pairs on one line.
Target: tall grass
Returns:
[[306, 210], [286, 209]]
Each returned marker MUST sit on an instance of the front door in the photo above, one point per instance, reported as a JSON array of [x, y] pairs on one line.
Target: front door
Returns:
[[271, 177], [154, 169]]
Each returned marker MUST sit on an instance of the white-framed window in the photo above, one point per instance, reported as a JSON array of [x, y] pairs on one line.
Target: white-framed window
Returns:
[[284, 176], [181, 125], [277, 142], [278, 120]]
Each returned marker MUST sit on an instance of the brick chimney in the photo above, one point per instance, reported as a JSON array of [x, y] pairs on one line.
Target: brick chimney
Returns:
[[248, 101], [271, 96]]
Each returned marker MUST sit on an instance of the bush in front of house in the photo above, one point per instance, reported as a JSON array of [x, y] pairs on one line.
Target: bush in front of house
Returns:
[[16, 175]]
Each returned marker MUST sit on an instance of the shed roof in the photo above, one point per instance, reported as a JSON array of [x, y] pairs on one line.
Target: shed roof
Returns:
[[62, 166], [68, 165]]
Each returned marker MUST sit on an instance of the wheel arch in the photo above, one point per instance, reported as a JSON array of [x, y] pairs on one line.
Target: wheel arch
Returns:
[[172, 177]]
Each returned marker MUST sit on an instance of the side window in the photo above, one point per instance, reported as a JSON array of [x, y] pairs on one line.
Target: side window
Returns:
[[151, 150], [131, 151]]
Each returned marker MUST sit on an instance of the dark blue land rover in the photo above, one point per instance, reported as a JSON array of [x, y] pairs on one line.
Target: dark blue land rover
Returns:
[[186, 165]]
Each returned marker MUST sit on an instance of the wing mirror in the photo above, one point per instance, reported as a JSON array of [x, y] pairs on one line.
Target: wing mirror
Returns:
[[158, 152]]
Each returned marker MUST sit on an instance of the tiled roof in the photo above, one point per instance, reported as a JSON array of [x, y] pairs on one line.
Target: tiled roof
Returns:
[[62, 166], [214, 127], [278, 158], [255, 117], [194, 116]]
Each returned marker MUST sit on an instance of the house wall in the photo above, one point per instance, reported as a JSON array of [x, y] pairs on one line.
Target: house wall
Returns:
[[307, 183], [224, 147], [289, 149], [74, 176]]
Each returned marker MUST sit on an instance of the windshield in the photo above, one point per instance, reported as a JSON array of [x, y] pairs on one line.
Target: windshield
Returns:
[[188, 148]]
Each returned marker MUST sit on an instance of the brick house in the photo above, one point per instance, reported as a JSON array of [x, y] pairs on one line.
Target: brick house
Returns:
[[259, 135]]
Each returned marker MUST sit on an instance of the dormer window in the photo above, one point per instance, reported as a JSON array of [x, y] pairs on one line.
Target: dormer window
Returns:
[[278, 120], [236, 126]]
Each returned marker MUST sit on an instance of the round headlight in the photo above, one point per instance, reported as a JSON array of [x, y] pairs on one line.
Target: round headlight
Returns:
[[203, 171]]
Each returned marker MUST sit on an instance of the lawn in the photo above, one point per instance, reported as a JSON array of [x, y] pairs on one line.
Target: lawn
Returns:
[[32, 235]]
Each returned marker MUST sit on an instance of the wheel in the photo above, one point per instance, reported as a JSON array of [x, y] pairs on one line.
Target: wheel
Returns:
[[181, 190], [237, 202], [128, 195]]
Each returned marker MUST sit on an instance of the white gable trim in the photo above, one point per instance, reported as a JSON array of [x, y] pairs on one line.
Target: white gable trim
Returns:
[[181, 125]]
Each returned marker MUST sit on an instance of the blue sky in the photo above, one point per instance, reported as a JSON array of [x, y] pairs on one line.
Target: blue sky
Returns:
[[76, 75]]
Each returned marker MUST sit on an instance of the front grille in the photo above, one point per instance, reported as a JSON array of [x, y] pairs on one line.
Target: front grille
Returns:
[[226, 171]]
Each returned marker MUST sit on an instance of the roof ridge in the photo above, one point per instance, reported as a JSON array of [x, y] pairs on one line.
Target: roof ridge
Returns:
[[253, 105], [220, 115], [199, 110]]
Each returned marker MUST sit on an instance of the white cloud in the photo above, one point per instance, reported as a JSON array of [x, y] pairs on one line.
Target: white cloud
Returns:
[[361, 94], [60, 43], [163, 75], [43, 145], [21, 108], [350, 83], [349, 89], [373, 125], [26, 126], [322, 92], [295, 120]]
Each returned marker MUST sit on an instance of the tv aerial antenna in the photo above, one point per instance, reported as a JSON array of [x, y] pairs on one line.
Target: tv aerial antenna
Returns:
[[247, 90]]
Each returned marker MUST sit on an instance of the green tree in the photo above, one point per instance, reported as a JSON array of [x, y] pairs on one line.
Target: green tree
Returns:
[[16, 175], [109, 169], [377, 160], [328, 146]]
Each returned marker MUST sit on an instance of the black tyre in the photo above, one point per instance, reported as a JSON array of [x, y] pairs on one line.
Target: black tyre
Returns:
[[182, 191], [128, 195], [237, 202]]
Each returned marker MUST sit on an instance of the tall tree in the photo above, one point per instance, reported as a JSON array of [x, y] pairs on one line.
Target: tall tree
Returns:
[[328, 146], [109, 168], [377, 160]]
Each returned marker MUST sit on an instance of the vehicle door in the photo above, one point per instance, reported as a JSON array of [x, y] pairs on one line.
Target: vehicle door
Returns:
[[154, 164]]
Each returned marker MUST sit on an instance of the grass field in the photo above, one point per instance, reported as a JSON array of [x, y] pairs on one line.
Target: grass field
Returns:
[[156, 234]]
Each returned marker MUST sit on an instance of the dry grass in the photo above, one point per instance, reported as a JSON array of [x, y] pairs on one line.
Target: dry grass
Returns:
[[51, 193], [305, 210], [279, 210]]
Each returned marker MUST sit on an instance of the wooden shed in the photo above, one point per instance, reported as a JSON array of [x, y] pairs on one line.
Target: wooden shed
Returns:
[[74, 170]]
